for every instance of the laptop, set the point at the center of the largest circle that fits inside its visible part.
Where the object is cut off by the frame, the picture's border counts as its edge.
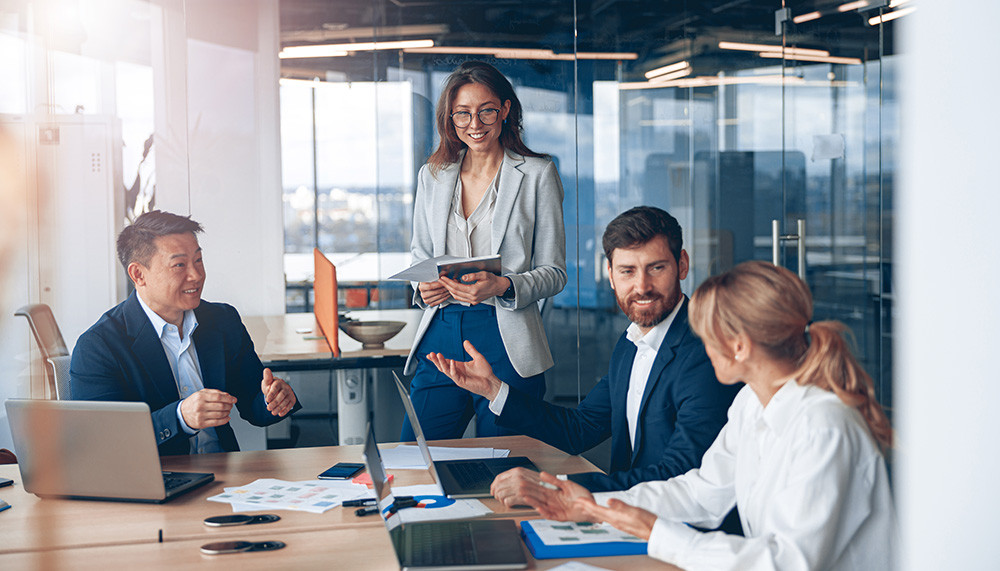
(453, 544)
(459, 478)
(92, 450)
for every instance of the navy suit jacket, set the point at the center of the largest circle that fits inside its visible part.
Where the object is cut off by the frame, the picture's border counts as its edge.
(682, 410)
(120, 358)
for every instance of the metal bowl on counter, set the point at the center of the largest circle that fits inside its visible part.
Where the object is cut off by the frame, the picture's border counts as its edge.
(372, 334)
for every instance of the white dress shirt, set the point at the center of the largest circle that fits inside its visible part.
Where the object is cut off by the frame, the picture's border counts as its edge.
(810, 483)
(184, 365)
(646, 347)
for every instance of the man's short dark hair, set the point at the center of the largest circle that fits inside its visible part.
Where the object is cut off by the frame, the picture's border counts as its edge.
(136, 243)
(638, 226)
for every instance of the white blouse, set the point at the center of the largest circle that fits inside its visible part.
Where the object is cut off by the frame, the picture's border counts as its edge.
(809, 480)
(472, 237)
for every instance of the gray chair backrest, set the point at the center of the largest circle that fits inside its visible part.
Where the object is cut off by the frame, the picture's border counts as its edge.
(43, 325)
(60, 369)
(50, 342)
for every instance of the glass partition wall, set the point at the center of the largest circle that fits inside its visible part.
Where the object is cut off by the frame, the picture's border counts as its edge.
(740, 118)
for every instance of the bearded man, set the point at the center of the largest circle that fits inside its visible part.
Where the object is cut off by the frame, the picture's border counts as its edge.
(660, 402)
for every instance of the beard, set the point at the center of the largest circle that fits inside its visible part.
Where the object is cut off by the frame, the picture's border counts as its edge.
(647, 315)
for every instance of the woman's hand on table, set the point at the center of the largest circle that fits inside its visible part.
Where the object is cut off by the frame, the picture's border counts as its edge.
(555, 499)
(629, 519)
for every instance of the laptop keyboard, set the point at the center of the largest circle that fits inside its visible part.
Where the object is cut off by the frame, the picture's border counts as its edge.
(471, 475)
(171, 481)
(442, 543)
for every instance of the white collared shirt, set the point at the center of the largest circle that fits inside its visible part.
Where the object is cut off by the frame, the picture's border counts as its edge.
(184, 365)
(646, 347)
(809, 480)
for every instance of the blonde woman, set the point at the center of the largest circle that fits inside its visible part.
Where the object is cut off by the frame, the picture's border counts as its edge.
(800, 455)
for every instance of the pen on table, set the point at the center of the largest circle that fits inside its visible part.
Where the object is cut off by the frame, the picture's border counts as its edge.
(359, 503)
(371, 501)
(367, 510)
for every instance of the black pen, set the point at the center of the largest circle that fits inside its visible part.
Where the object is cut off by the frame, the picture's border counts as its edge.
(366, 511)
(359, 503)
(371, 501)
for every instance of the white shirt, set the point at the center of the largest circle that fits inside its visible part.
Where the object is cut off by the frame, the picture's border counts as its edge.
(473, 236)
(184, 365)
(646, 347)
(810, 483)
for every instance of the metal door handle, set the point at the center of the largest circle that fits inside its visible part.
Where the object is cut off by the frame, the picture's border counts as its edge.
(800, 241)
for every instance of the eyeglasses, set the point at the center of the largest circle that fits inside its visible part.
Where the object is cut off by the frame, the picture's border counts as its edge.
(462, 119)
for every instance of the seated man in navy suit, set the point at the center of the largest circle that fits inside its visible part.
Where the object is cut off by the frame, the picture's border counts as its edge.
(660, 402)
(190, 360)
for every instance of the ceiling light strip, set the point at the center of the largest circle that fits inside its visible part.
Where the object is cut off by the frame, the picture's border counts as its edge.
(671, 76)
(523, 53)
(807, 17)
(771, 48)
(852, 6)
(890, 16)
(826, 59)
(335, 50)
(667, 69)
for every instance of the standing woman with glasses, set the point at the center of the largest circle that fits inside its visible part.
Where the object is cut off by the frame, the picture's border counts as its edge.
(801, 454)
(483, 192)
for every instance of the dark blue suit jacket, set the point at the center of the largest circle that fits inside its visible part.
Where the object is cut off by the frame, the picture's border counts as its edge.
(683, 408)
(120, 358)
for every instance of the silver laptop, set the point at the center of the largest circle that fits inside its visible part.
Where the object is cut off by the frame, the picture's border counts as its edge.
(92, 450)
(459, 478)
(454, 544)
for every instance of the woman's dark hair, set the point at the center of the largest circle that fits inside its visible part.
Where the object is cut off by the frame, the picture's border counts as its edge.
(136, 243)
(484, 74)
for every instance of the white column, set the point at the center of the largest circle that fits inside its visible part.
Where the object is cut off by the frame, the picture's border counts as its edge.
(947, 383)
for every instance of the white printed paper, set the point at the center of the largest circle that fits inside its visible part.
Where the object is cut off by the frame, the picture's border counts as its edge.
(408, 456)
(570, 533)
(432, 505)
(315, 496)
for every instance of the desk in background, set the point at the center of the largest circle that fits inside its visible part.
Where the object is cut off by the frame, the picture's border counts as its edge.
(281, 347)
(63, 534)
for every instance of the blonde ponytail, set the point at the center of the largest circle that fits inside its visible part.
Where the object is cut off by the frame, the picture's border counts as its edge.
(773, 307)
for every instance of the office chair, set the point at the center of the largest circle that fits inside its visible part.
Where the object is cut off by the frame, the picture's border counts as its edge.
(60, 370)
(50, 341)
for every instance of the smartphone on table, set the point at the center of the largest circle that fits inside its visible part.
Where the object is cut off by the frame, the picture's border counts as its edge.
(342, 471)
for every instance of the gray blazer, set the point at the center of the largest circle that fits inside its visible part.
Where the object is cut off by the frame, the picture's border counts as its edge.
(529, 235)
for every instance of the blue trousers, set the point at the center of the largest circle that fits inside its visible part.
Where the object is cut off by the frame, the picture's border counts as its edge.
(443, 407)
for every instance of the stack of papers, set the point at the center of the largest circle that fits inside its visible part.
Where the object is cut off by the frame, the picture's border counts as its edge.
(408, 456)
(315, 496)
(570, 533)
(548, 539)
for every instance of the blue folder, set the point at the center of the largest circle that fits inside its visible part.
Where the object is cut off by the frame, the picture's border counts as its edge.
(541, 551)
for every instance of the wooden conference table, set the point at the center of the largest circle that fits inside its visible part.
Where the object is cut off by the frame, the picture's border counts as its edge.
(73, 534)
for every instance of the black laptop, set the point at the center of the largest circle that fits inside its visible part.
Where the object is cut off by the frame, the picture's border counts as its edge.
(92, 450)
(459, 478)
(453, 544)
